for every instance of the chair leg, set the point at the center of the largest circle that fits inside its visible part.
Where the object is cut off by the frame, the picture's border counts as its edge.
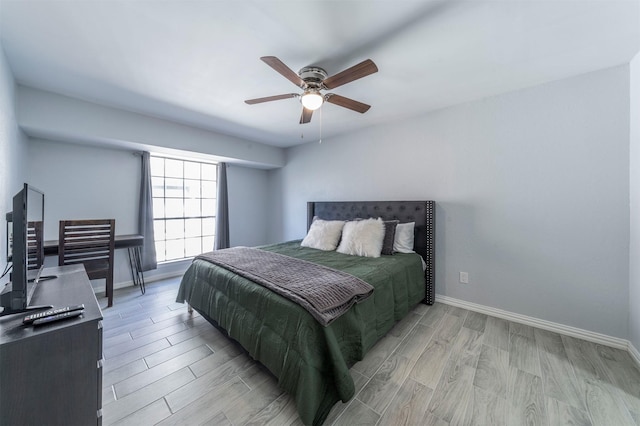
(109, 291)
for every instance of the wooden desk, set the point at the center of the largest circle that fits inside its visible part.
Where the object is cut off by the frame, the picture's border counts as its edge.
(122, 241)
(132, 242)
(52, 374)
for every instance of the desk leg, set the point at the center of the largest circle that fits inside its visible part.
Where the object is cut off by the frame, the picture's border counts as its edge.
(135, 261)
(143, 289)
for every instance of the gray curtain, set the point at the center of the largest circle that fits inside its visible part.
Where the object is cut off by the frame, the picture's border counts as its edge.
(222, 215)
(145, 217)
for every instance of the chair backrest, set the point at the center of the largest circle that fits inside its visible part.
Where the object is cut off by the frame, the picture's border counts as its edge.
(35, 246)
(90, 242)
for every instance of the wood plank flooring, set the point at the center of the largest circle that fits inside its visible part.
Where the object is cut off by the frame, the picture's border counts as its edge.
(441, 365)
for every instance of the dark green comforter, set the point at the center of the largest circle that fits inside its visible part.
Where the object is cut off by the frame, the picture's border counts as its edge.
(311, 362)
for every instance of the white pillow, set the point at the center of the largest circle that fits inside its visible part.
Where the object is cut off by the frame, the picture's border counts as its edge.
(362, 238)
(323, 234)
(403, 241)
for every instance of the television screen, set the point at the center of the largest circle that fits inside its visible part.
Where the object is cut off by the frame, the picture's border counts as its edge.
(27, 250)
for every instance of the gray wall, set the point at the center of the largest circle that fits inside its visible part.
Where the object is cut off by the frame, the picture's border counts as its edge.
(248, 200)
(102, 168)
(532, 191)
(86, 182)
(91, 182)
(66, 119)
(13, 153)
(83, 161)
(634, 251)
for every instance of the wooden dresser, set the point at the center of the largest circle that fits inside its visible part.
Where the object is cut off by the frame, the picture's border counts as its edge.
(52, 374)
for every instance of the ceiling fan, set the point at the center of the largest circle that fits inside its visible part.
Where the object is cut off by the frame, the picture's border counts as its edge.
(314, 79)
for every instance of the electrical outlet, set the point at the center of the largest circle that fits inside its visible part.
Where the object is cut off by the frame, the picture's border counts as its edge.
(464, 277)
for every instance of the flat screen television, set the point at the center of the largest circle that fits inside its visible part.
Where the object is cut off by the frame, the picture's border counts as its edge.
(26, 250)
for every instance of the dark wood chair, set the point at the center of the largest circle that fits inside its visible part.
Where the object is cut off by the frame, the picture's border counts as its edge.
(92, 243)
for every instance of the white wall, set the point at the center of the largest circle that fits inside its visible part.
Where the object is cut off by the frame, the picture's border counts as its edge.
(13, 153)
(89, 182)
(634, 251)
(532, 192)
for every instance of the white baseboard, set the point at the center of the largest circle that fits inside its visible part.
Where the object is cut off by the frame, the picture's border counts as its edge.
(579, 333)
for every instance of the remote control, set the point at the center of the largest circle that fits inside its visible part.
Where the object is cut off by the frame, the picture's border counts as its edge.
(57, 317)
(31, 318)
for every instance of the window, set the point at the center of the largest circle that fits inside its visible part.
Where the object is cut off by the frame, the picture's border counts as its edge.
(184, 207)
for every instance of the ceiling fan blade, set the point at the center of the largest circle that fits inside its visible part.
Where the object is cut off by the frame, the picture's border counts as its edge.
(363, 69)
(270, 98)
(284, 70)
(347, 103)
(306, 115)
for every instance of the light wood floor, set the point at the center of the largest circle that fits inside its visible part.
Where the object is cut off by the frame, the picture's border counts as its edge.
(440, 366)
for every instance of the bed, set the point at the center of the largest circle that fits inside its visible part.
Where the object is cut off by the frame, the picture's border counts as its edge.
(311, 361)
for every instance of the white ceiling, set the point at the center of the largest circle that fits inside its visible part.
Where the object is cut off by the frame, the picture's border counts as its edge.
(196, 61)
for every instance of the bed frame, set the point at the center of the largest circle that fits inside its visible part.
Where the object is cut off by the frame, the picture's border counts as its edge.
(423, 213)
(420, 212)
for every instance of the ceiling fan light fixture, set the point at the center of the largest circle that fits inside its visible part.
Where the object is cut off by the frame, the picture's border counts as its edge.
(312, 100)
(312, 80)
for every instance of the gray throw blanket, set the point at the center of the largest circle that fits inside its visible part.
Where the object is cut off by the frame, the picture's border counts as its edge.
(325, 292)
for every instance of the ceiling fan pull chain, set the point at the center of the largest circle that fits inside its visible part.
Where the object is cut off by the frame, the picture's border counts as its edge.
(320, 141)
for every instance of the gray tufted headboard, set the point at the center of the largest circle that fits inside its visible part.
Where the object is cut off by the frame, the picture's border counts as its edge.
(420, 212)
